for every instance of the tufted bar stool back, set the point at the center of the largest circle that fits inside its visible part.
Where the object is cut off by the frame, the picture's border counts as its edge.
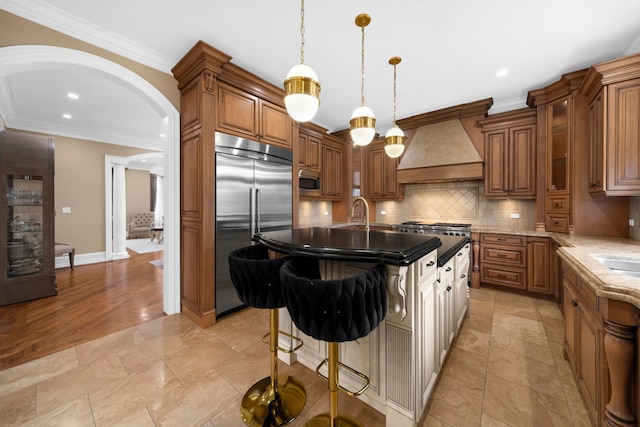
(277, 399)
(335, 310)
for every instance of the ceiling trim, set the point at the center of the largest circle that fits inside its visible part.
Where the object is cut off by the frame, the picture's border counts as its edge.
(51, 17)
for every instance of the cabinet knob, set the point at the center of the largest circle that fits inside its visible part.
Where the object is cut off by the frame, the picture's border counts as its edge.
(462, 276)
(448, 288)
(448, 269)
(430, 263)
(574, 303)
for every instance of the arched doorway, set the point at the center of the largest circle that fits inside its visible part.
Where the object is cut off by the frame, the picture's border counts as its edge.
(16, 59)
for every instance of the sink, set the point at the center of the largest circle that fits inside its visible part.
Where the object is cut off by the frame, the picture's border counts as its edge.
(629, 266)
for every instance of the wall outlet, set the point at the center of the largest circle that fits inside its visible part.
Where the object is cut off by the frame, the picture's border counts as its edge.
(383, 212)
(515, 215)
(326, 213)
(66, 210)
(632, 223)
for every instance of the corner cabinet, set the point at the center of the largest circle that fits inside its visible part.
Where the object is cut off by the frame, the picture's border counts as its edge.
(510, 155)
(380, 173)
(613, 89)
(26, 252)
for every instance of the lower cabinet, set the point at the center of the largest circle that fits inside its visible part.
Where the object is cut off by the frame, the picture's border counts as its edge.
(444, 310)
(584, 343)
(461, 290)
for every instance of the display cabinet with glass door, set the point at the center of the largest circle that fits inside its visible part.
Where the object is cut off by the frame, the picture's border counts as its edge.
(26, 254)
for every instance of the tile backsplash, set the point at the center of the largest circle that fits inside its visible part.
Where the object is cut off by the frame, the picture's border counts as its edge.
(451, 202)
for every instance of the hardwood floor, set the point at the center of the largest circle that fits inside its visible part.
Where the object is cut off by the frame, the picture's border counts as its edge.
(93, 301)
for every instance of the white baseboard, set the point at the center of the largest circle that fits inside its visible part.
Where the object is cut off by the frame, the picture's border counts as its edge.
(91, 258)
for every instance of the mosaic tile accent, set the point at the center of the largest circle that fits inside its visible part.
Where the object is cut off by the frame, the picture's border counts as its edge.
(447, 203)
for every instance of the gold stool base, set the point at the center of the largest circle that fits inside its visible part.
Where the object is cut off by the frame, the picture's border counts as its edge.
(324, 420)
(261, 403)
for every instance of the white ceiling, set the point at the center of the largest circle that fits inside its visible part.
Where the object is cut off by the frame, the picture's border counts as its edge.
(451, 52)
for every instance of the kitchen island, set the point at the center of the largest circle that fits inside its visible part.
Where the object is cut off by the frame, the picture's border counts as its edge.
(427, 297)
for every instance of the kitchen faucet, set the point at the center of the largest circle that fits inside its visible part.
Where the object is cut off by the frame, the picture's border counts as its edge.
(366, 209)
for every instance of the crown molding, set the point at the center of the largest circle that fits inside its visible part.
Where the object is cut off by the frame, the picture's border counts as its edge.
(51, 17)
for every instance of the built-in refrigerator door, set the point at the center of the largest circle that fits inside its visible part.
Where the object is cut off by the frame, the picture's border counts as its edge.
(234, 200)
(273, 194)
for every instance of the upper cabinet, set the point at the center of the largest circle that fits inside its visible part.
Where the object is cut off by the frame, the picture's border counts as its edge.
(563, 201)
(332, 182)
(243, 114)
(510, 155)
(380, 173)
(613, 90)
(309, 142)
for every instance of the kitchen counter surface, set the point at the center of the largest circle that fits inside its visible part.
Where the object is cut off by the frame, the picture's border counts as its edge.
(387, 247)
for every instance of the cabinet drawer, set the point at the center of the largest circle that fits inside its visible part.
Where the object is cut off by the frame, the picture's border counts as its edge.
(504, 255)
(558, 222)
(558, 203)
(426, 266)
(503, 239)
(512, 277)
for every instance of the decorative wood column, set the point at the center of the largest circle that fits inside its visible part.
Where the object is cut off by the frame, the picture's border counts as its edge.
(621, 321)
(475, 256)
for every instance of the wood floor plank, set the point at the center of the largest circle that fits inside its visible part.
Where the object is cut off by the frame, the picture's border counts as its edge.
(93, 301)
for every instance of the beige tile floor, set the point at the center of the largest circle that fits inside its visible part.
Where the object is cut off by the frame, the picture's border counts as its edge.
(505, 368)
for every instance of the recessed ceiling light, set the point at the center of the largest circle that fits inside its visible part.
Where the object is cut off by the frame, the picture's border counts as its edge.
(66, 116)
(72, 95)
(144, 160)
(162, 135)
(502, 73)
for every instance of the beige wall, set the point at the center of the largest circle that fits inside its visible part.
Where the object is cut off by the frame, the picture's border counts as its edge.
(80, 184)
(138, 192)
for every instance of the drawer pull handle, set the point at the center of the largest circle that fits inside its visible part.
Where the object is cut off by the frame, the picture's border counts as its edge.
(574, 303)
(448, 288)
(463, 276)
(501, 255)
(430, 263)
(501, 239)
(556, 205)
(459, 253)
(502, 276)
(448, 269)
(556, 222)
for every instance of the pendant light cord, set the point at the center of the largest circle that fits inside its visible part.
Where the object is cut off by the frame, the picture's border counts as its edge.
(394, 94)
(302, 32)
(362, 71)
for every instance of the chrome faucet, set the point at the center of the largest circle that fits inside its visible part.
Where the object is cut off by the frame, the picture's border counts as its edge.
(366, 209)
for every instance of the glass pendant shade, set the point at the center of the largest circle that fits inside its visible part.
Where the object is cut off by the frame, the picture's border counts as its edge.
(302, 93)
(363, 125)
(394, 146)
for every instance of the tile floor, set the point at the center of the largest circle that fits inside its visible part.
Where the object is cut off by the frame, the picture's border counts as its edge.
(505, 368)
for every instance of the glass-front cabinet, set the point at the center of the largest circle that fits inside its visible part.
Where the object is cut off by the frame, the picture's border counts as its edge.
(27, 269)
(25, 228)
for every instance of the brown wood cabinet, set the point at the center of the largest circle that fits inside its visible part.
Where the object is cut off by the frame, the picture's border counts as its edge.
(310, 139)
(243, 114)
(510, 155)
(613, 89)
(564, 203)
(333, 169)
(27, 264)
(380, 173)
(539, 266)
(503, 260)
(583, 344)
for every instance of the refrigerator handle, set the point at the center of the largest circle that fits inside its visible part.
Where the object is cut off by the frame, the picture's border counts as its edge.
(252, 214)
(257, 211)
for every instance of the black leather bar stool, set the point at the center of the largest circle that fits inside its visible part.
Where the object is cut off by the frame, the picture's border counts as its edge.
(334, 311)
(277, 399)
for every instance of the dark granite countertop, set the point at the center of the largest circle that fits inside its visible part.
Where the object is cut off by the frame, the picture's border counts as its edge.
(388, 247)
(450, 246)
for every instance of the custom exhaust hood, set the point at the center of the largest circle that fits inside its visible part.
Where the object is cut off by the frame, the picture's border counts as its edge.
(444, 145)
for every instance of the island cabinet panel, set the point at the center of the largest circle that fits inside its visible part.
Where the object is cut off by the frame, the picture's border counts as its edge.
(461, 291)
(444, 311)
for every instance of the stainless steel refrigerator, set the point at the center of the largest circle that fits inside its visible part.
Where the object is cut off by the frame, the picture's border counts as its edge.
(253, 194)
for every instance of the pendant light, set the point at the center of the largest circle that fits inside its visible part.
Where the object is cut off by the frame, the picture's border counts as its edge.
(363, 122)
(394, 138)
(302, 89)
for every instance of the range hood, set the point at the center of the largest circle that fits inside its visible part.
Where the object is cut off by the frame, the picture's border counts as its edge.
(444, 145)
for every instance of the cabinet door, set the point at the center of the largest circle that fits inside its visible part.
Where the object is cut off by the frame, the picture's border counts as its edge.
(390, 174)
(522, 154)
(623, 131)
(309, 152)
(237, 111)
(539, 266)
(496, 165)
(426, 334)
(375, 173)
(332, 171)
(276, 126)
(596, 143)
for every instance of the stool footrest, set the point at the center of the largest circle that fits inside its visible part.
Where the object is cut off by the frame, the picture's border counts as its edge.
(350, 369)
(267, 340)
